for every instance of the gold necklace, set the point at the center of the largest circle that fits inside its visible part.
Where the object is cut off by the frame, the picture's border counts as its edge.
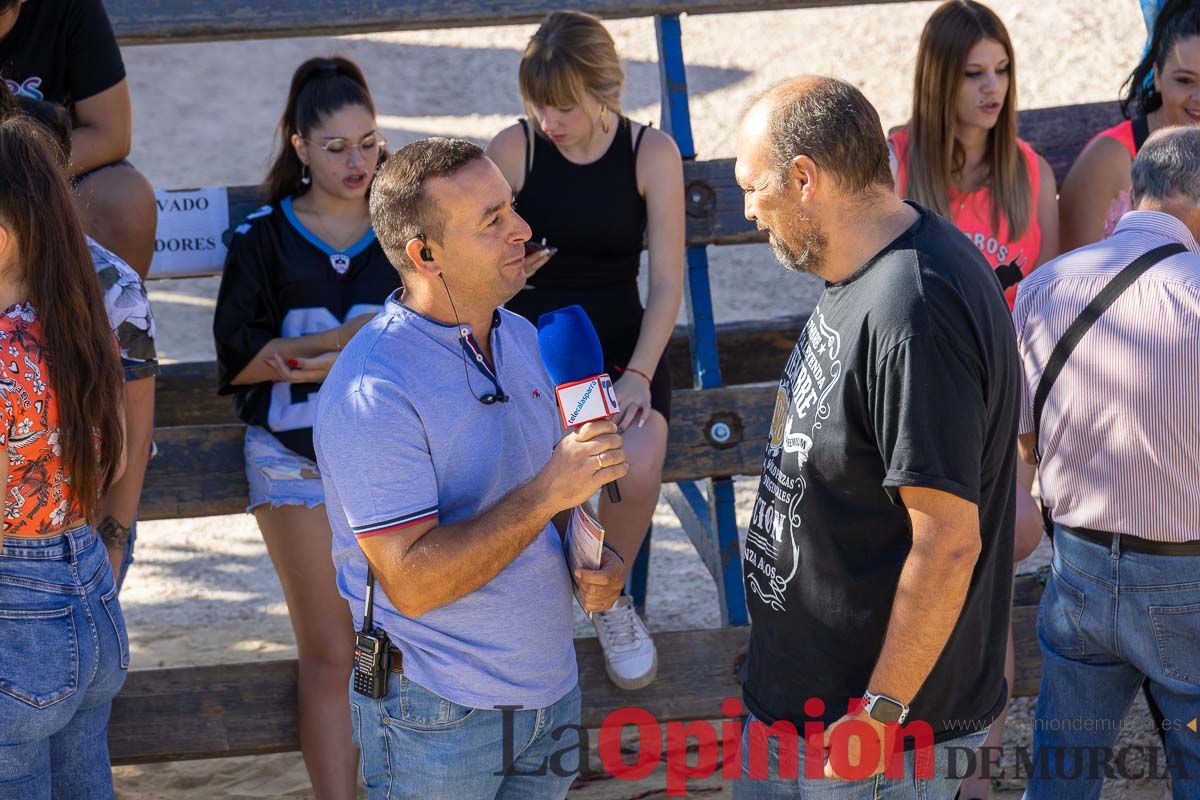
(319, 218)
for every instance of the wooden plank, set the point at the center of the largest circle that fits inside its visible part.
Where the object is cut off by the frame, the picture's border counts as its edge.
(1027, 594)
(713, 205)
(696, 671)
(199, 469)
(199, 472)
(185, 393)
(250, 709)
(750, 351)
(1028, 673)
(205, 712)
(166, 21)
(1060, 133)
(1028, 587)
(713, 201)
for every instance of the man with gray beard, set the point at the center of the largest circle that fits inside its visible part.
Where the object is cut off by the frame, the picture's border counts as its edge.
(879, 555)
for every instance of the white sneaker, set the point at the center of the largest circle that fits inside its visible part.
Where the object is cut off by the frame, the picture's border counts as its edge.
(629, 655)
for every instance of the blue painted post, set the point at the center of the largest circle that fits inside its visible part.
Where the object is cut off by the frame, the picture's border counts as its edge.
(706, 371)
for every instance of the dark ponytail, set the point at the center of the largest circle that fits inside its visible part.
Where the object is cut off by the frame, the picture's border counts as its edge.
(320, 87)
(56, 267)
(1178, 19)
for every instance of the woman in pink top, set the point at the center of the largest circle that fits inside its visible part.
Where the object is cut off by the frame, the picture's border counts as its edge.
(1164, 90)
(960, 156)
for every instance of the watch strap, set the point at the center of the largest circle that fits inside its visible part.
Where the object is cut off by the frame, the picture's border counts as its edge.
(873, 700)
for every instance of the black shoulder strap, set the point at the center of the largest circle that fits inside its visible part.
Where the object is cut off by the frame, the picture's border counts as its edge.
(528, 147)
(1084, 322)
(637, 143)
(1141, 131)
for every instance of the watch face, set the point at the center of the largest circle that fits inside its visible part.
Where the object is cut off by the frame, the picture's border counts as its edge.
(886, 710)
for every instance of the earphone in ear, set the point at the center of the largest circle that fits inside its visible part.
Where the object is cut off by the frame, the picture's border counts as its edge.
(426, 254)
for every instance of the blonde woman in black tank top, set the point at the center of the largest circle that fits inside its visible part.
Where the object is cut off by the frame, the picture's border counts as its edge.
(596, 185)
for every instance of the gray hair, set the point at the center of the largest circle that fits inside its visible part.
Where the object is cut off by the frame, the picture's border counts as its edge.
(1168, 166)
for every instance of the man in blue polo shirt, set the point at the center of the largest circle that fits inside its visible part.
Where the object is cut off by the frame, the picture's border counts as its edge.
(445, 467)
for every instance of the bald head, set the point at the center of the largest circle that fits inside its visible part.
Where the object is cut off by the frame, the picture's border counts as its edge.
(827, 120)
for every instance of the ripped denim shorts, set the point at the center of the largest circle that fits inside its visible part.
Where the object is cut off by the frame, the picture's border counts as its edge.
(277, 475)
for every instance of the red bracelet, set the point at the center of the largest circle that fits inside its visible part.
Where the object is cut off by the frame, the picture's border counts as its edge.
(639, 372)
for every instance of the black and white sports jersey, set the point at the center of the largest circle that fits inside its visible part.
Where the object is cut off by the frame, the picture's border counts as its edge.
(282, 280)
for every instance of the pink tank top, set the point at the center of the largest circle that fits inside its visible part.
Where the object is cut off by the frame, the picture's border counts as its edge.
(1123, 133)
(971, 213)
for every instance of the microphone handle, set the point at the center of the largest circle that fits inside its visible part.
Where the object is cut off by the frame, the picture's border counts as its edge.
(614, 494)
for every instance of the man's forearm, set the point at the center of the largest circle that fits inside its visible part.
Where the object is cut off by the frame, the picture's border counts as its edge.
(929, 598)
(451, 561)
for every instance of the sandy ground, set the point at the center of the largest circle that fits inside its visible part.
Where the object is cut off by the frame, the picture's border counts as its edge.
(203, 591)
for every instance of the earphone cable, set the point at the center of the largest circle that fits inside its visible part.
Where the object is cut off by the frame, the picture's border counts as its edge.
(461, 339)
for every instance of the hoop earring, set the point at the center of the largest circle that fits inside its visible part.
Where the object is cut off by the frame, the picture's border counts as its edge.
(304, 176)
(604, 119)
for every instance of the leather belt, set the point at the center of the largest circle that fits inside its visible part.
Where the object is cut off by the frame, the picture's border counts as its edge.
(1135, 544)
(397, 659)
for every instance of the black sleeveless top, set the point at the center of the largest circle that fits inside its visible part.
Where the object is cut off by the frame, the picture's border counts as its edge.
(592, 213)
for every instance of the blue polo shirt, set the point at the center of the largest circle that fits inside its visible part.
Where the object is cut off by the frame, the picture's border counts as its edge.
(400, 440)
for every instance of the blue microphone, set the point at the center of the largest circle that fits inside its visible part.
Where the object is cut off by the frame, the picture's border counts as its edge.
(572, 354)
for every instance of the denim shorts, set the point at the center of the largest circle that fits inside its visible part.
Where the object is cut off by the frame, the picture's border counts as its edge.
(277, 475)
(64, 654)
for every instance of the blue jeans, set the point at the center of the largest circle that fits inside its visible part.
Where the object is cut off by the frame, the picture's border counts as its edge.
(277, 476)
(416, 744)
(941, 786)
(1107, 619)
(63, 657)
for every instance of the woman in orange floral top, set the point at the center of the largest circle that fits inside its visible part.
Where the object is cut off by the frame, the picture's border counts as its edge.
(63, 648)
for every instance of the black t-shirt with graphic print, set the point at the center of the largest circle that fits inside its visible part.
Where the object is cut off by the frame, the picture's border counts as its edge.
(906, 374)
(61, 51)
(281, 280)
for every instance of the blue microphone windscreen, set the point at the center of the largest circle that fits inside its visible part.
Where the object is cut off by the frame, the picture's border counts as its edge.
(569, 344)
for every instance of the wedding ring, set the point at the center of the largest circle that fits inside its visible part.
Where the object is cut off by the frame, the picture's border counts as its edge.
(600, 460)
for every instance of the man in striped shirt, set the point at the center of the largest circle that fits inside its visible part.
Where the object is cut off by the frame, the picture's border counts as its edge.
(1118, 443)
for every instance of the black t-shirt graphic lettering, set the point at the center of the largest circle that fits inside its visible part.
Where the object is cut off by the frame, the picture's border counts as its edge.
(61, 51)
(280, 279)
(906, 374)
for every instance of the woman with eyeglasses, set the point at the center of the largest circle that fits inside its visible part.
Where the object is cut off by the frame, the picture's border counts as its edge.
(304, 273)
(596, 187)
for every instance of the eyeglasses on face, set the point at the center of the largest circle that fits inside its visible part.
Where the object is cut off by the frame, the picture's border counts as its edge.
(368, 145)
